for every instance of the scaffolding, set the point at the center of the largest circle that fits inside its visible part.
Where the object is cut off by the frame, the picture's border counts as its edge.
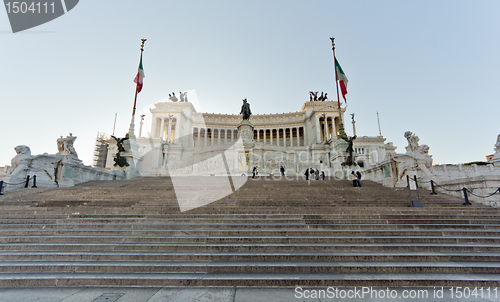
(101, 150)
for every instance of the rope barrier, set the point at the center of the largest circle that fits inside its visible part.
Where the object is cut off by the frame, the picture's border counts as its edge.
(25, 182)
(8, 183)
(483, 196)
(436, 184)
(464, 191)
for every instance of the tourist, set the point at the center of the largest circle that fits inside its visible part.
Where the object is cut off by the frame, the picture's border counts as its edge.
(354, 179)
(307, 174)
(254, 171)
(311, 172)
(358, 175)
(282, 170)
(323, 175)
(316, 173)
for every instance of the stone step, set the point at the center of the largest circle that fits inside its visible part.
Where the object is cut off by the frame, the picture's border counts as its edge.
(249, 247)
(421, 256)
(256, 239)
(249, 267)
(268, 233)
(287, 233)
(102, 229)
(247, 279)
(241, 231)
(341, 214)
(262, 221)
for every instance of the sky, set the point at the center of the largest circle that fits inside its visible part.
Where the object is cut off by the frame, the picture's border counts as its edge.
(430, 67)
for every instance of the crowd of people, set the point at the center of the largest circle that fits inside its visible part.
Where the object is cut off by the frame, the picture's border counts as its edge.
(315, 174)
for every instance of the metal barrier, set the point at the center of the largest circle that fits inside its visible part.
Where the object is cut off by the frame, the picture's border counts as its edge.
(415, 203)
(464, 190)
(25, 182)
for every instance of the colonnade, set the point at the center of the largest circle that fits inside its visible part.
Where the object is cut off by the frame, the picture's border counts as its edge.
(328, 127)
(166, 128)
(286, 136)
(203, 137)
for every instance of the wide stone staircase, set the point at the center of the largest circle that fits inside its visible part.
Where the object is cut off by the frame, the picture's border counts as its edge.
(268, 233)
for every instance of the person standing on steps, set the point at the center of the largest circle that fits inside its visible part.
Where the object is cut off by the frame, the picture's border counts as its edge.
(354, 179)
(282, 170)
(307, 174)
(358, 175)
(316, 173)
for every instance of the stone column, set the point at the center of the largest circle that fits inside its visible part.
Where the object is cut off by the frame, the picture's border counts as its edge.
(153, 128)
(169, 132)
(318, 129)
(211, 136)
(325, 125)
(218, 136)
(177, 129)
(284, 137)
(205, 137)
(271, 130)
(198, 139)
(162, 126)
(250, 160)
(291, 137)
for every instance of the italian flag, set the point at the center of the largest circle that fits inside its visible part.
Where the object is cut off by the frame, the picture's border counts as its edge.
(341, 78)
(139, 78)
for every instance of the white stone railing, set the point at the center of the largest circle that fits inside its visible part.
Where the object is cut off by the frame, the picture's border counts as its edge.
(67, 173)
(479, 186)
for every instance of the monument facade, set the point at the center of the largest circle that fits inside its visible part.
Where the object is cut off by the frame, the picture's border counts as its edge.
(189, 142)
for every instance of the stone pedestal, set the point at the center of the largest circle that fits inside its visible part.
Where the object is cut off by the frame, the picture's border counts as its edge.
(245, 132)
(340, 147)
(133, 158)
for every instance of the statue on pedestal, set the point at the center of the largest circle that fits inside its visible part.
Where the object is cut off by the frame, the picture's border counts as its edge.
(245, 110)
(172, 97)
(350, 159)
(22, 161)
(313, 96)
(119, 142)
(183, 96)
(120, 161)
(60, 144)
(416, 158)
(323, 97)
(65, 145)
(412, 142)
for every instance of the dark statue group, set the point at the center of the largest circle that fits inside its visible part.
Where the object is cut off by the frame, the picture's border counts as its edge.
(313, 96)
(119, 160)
(350, 159)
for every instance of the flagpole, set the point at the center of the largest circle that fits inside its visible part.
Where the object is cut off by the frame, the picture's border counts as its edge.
(342, 133)
(131, 129)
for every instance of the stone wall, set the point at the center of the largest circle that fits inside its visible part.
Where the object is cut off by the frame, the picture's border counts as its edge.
(449, 179)
(62, 169)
